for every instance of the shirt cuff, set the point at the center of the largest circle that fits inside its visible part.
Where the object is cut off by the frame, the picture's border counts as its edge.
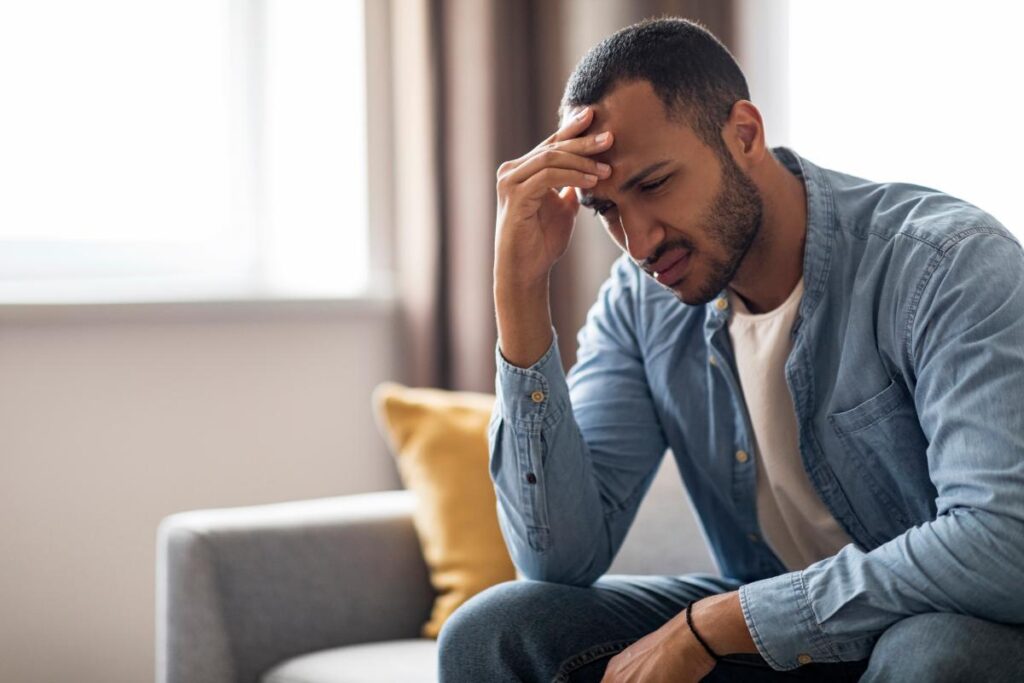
(782, 624)
(534, 396)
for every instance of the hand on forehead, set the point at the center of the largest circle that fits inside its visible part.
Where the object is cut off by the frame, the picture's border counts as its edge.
(599, 121)
(633, 113)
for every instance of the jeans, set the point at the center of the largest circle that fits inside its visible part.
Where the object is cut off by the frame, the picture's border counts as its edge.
(542, 632)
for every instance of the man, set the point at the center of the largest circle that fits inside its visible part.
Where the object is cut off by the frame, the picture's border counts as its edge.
(836, 364)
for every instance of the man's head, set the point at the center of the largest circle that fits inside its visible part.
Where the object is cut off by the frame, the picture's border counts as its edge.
(668, 90)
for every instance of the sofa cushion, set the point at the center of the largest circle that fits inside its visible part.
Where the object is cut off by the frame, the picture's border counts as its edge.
(409, 661)
(439, 439)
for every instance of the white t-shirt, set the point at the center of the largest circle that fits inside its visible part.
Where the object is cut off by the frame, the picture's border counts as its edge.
(795, 522)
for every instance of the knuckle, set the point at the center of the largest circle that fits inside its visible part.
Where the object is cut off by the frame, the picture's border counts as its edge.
(548, 155)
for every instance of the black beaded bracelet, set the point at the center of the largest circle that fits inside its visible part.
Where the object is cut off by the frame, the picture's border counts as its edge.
(689, 622)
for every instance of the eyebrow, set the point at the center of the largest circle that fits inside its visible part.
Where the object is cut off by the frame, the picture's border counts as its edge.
(589, 200)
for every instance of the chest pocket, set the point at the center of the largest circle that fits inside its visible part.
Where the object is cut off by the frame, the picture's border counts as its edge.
(882, 437)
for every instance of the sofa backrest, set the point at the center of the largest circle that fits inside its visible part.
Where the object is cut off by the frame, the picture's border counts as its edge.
(665, 537)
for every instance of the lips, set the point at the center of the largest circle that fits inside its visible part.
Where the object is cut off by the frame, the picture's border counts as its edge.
(667, 260)
(671, 267)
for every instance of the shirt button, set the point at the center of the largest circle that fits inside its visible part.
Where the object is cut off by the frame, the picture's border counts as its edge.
(531, 478)
(721, 304)
(537, 396)
(804, 658)
(754, 537)
(711, 359)
(742, 456)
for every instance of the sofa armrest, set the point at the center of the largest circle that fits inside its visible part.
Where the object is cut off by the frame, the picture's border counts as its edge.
(241, 589)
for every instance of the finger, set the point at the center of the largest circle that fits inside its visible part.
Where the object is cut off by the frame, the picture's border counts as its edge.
(553, 178)
(573, 127)
(587, 144)
(555, 158)
(570, 200)
(584, 145)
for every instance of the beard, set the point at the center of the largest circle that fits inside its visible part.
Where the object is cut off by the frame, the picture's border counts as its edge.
(733, 222)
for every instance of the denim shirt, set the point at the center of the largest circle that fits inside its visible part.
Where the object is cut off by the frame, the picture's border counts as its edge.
(907, 378)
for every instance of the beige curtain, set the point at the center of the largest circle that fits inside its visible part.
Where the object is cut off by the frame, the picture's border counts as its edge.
(476, 82)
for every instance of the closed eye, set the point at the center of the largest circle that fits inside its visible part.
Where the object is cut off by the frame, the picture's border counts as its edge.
(602, 209)
(653, 186)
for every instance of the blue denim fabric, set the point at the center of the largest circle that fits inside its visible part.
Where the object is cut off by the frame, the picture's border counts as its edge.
(907, 376)
(546, 632)
(555, 633)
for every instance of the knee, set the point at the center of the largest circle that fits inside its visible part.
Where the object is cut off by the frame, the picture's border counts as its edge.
(923, 647)
(503, 606)
(476, 638)
(482, 613)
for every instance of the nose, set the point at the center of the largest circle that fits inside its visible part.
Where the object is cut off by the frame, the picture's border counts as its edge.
(641, 233)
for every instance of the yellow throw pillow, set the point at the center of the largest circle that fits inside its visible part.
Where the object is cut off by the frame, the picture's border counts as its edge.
(439, 439)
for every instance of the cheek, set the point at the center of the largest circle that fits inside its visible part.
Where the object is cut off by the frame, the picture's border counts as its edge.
(683, 205)
(676, 210)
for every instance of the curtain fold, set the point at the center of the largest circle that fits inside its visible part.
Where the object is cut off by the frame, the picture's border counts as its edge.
(477, 82)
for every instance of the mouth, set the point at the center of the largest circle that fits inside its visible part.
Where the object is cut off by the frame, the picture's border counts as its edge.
(673, 273)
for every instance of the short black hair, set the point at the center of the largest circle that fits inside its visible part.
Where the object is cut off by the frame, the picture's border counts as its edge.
(691, 71)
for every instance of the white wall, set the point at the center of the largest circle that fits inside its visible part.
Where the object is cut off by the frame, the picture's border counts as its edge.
(762, 34)
(113, 417)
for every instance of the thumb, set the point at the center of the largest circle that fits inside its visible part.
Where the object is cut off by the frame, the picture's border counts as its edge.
(570, 202)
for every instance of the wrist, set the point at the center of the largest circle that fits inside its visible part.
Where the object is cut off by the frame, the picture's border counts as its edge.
(523, 316)
(719, 620)
(694, 653)
(510, 281)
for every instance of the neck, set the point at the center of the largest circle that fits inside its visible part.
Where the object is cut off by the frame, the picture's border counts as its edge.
(774, 263)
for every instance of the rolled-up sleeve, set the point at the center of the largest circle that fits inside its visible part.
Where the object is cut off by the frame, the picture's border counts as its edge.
(572, 455)
(964, 358)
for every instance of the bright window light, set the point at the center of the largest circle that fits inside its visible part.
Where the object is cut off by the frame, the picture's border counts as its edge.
(315, 152)
(177, 149)
(917, 91)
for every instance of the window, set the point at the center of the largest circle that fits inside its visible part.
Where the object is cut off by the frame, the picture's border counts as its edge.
(915, 91)
(178, 149)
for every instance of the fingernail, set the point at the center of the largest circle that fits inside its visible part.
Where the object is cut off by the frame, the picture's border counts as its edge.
(590, 178)
(603, 137)
(603, 168)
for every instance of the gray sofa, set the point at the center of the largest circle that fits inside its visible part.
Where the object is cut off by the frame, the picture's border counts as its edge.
(335, 590)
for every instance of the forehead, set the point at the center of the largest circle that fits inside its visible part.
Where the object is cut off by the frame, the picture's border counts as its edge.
(638, 120)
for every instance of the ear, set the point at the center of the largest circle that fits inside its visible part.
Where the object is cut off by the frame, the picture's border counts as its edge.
(743, 134)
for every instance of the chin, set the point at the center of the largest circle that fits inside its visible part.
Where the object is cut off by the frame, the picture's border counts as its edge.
(683, 293)
(690, 295)
(688, 300)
